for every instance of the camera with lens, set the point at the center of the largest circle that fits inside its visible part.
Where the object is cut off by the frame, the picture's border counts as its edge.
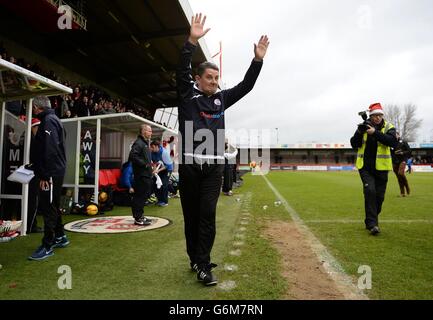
(362, 127)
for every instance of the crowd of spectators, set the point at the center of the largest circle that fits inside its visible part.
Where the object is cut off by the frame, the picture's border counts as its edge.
(85, 100)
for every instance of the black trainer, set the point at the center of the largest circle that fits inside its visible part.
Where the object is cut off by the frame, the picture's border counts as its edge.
(375, 230)
(205, 274)
(194, 266)
(143, 222)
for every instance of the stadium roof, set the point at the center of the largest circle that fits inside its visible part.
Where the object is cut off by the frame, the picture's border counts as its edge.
(130, 47)
(124, 122)
(19, 83)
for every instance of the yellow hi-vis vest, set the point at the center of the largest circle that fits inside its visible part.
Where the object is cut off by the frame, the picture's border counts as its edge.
(383, 155)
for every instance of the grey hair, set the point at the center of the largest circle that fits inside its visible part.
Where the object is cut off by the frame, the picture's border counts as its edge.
(143, 126)
(206, 65)
(42, 102)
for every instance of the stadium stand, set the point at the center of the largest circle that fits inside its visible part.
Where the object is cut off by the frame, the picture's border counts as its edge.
(123, 53)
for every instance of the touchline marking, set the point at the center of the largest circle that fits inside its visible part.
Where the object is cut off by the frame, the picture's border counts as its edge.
(343, 281)
(238, 244)
(362, 222)
(227, 285)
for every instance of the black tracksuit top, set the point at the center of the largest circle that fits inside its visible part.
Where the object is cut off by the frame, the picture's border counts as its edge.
(49, 147)
(206, 112)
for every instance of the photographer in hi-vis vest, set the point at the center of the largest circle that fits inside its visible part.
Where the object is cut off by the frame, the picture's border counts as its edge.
(373, 141)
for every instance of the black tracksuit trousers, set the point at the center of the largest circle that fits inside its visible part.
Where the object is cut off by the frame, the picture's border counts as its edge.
(32, 207)
(374, 183)
(142, 188)
(228, 178)
(200, 187)
(49, 205)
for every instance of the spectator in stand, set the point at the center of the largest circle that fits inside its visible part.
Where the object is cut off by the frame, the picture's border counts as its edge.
(76, 94)
(72, 108)
(15, 107)
(67, 115)
(101, 109)
(83, 109)
(64, 105)
(94, 109)
(109, 107)
(71, 102)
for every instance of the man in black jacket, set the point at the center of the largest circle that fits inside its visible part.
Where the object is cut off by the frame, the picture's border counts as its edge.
(201, 126)
(140, 158)
(49, 167)
(400, 154)
(373, 142)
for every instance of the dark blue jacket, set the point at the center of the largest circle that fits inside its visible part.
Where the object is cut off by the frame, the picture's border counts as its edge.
(207, 112)
(127, 176)
(49, 142)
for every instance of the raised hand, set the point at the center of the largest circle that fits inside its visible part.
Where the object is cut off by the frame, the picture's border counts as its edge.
(197, 28)
(260, 48)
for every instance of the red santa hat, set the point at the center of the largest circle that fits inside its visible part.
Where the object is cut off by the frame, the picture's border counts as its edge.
(375, 108)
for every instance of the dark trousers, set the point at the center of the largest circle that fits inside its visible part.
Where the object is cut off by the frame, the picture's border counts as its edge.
(142, 188)
(199, 187)
(399, 169)
(374, 182)
(162, 193)
(49, 205)
(32, 206)
(228, 178)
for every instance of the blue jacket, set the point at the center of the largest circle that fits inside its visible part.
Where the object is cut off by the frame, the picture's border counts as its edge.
(163, 155)
(127, 177)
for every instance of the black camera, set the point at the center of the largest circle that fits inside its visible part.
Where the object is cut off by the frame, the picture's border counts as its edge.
(362, 127)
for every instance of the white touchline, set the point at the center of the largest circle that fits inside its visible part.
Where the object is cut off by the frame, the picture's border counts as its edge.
(343, 281)
(361, 222)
